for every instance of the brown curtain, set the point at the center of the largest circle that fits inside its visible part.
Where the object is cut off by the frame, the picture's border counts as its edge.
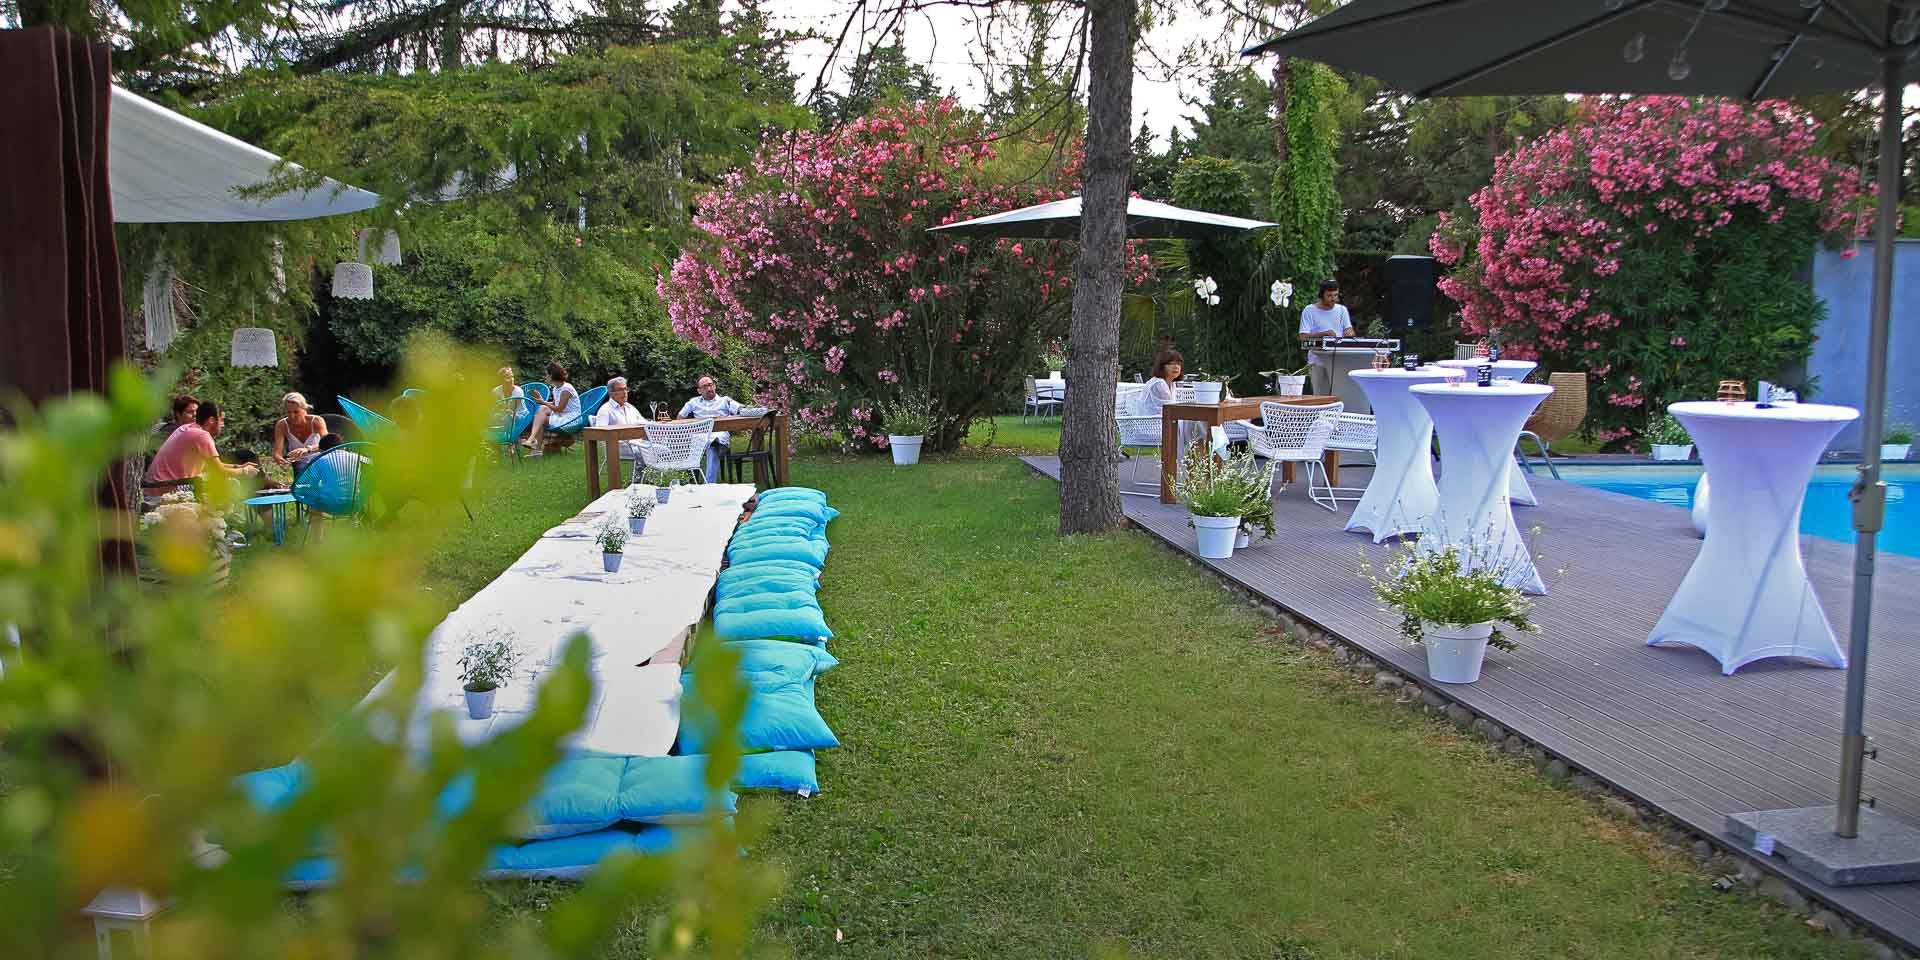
(60, 316)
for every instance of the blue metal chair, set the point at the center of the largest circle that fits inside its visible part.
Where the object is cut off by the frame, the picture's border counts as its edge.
(413, 392)
(538, 390)
(511, 418)
(332, 484)
(590, 403)
(369, 423)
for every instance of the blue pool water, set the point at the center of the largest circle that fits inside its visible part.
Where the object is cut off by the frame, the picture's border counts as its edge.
(1824, 513)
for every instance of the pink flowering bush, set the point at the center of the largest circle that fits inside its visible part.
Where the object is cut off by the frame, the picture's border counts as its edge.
(817, 260)
(1654, 243)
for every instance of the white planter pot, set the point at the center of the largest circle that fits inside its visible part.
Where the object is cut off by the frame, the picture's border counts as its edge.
(1216, 536)
(1292, 386)
(611, 561)
(1207, 391)
(906, 450)
(1241, 541)
(636, 525)
(480, 703)
(662, 494)
(1670, 452)
(1455, 653)
(1053, 374)
(1895, 451)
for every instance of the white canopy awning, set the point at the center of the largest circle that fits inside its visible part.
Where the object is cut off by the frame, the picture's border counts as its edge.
(1146, 219)
(167, 168)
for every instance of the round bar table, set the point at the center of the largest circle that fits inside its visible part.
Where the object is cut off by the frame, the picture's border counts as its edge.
(1478, 427)
(1401, 495)
(1746, 597)
(1518, 489)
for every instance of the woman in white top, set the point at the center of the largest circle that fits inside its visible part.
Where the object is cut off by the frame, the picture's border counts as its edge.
(298, 433)
(1168, 367)
(617, 412)
(563, 406)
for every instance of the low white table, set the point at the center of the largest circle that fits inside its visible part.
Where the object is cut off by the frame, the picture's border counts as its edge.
(1518, 489)
(1401, 495)
(1478, 427)
(1746, 597)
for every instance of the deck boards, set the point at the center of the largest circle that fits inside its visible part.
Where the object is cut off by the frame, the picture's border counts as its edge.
(1661, 724)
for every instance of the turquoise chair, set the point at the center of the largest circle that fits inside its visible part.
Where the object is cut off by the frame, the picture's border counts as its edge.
(369, 423)
(538, 390)
(333, 483)
(590, 403)
(511, 418)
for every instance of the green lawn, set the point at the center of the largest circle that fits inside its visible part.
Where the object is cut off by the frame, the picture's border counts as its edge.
(1058, 746)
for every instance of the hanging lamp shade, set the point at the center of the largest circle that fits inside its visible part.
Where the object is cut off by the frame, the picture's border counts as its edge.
(387, 254)
(255, 347)
(352, 281)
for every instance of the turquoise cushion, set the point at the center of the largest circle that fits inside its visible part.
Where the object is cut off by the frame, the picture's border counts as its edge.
(274, 787)
(749, 602)
(778, 494)
(793, 661)
(780, 718)
(745, 571)
(819, 513)
(787, 521)
(669, 790)
(801, 623)
(788, 771)
(572, 858)
(806, 551)
(779, 528)
(580, 794)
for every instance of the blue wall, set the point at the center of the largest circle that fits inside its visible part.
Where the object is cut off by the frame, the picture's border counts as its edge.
(1840, 354)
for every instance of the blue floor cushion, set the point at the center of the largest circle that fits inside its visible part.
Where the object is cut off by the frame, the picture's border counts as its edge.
(669, 790)
(782, 717)
(778, 494)
(747, 603)
(801, 623)
(788, 771)
(806, 551)
(790, 661)
(580, 795)
(818, 512)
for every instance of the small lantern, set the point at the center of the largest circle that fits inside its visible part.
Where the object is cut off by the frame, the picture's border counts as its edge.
(123, 915)
(1379, 359)
(387, 254)
(255, 347)
(1481, 350)
(1733, 391)
(352, 281)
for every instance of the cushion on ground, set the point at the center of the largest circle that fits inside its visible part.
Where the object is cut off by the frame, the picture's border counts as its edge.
(571, 858)
(796, 661)
(779, 718)
(274, 787)
(580, 795)
(790, 524)
(746, 603)
(781, 548)
(818, 512)
(788, 771)
(750, 535)
(744, 571)
(800, 623)
(779, 494)
(669, 790)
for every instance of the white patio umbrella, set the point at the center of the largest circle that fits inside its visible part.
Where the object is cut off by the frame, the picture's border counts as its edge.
(1146, 220)
(1749, 49)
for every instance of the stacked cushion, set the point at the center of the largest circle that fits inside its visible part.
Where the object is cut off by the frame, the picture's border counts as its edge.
(774, 563)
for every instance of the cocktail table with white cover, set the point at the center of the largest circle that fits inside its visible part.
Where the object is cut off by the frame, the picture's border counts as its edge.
(1518, 489)
(1401, 495)
(1746, 597)
(1478, 427)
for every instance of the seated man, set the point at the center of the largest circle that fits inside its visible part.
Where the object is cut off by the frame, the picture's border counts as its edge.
(711, 404)
(184, 407)
(617, 412)
(190, 452)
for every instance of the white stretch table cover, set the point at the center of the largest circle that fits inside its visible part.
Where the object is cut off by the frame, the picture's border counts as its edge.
(1478, 427)
(1518, 489)
(559, 588)
(1746, 597)
(1401, 495)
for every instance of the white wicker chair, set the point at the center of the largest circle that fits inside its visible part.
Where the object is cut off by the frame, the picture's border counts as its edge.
(1135, 430)
(1299, 434)
(678, 447)
(1354, 433)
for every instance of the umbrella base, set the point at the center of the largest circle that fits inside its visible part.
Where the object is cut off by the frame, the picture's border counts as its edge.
(1886, 851)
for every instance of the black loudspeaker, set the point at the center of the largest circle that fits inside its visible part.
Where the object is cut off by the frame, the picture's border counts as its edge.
(1410, 289)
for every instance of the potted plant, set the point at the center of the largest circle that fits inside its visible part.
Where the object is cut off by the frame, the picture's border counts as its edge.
(1290, 384)
(907, 421)
(1897, 442)
(485, 667)
(1056, 358)
(1218, 493)
(1456, 613)
(612, 539)
(1259, 514)
(1669, 439)
(184, 540)
(661, 483)
(640, 503)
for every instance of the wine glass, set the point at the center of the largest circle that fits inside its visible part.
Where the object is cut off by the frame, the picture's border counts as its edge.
(653, 409)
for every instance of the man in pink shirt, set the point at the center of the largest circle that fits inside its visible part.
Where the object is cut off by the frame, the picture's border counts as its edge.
(189, 450)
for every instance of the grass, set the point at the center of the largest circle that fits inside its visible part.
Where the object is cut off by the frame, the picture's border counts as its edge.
(1055, 747)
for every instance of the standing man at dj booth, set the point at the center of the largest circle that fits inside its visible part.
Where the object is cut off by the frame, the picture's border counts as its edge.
(1325, 317)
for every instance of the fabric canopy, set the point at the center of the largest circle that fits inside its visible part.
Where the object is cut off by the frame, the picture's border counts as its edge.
(166, 168)
(1146, 220)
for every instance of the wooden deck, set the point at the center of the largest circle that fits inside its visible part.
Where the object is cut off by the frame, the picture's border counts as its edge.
(1660, 724)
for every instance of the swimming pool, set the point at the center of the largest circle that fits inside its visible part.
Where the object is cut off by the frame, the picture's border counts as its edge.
(1824, 513)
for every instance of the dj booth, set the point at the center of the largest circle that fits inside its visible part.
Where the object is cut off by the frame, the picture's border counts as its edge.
(1335, 357)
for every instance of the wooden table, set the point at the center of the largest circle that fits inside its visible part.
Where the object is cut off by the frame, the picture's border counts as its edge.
(611, 436)
(1218, 415)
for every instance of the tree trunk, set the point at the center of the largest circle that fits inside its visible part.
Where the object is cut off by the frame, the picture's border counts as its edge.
(1089, 445)
(1279, 120)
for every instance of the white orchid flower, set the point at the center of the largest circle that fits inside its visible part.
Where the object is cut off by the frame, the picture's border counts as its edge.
(1282, 293)
(1213, 301)
(1211, 287)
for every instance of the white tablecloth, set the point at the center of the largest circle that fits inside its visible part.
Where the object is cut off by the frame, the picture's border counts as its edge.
(1518, 489)
(1401, 495)
(1478, 427)
(559, 588)
(1746, 597)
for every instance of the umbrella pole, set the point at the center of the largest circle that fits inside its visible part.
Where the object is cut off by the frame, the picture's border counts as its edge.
(1869, 494)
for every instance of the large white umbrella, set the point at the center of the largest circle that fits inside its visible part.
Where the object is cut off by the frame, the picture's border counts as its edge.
(163, 167)
(1739, 48)
(1146, 220)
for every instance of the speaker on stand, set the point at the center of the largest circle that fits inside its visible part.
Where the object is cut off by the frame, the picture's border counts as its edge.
(1411, 284)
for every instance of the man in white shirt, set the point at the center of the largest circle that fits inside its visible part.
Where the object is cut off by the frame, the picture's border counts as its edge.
(617, 412)
(711, 404)
(1326, 317)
